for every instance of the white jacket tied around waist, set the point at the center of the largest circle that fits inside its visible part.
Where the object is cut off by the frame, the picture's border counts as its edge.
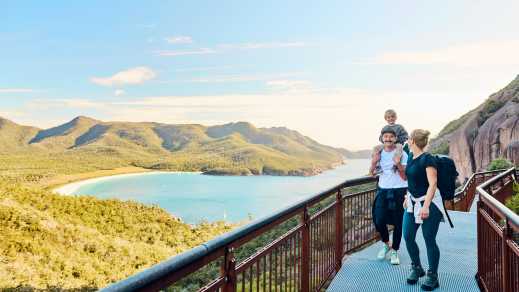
(414, 205)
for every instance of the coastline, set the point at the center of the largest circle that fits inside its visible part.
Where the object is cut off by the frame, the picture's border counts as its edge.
(72, 185)
(70, 188)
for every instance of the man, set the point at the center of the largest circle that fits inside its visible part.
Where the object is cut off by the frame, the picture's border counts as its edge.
(392, 187)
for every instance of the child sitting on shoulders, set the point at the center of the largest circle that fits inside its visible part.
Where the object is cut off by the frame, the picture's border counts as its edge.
(401, 138)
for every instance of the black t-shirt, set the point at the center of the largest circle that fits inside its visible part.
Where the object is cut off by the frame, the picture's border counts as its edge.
(416, 175)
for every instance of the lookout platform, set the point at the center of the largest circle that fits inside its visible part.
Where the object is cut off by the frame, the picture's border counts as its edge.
(458, 262)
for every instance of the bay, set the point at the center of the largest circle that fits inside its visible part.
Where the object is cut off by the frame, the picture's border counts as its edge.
(195, 197)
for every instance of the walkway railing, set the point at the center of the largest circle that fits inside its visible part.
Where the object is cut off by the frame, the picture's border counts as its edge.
(498, 235)
(463, 199)
(299, 248)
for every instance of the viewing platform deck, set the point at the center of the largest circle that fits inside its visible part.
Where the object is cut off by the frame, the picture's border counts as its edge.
(361, 271)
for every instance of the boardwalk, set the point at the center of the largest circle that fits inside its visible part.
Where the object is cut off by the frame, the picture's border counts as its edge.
(458, 263)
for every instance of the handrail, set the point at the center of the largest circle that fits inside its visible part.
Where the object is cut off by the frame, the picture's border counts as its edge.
(498, 230)
(464, 197)
(473, 176)
(505, 211)
(179, 266)
(218, 246)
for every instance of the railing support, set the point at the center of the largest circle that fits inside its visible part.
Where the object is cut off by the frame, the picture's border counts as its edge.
(305, 252)
(479, 243)
(339, 231)
(228, 270)
(505, 260)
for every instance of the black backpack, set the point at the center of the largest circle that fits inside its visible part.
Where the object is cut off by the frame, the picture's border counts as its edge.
(447, 176)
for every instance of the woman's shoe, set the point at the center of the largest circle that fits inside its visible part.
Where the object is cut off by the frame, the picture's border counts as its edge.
(431, 282)
(416, 273)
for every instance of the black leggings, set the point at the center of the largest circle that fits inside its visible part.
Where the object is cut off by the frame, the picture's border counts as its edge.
(388, 209)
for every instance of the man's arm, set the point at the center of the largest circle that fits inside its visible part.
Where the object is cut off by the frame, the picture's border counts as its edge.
(400, 163)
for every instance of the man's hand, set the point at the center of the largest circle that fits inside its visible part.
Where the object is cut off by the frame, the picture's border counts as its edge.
(397, 159)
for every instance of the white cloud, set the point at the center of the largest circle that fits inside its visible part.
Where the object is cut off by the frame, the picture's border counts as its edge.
(467, 54)
(234, 78)
(270, 45)
(16, 90)
(293, 85)
(58, 103)
(223, 47)
(179, 40)
(137, 75)
(170, 53)
(196, 69)
(119, 92)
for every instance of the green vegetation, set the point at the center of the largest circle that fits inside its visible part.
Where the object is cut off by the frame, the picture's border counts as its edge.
(442, 148)
(71, 242)
(489, 108)
(48, 241)
(83, 145)
(500, 163)
(513, 202)
(454, 125)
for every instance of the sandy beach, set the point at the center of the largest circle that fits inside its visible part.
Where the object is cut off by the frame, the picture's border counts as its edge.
(71, 188)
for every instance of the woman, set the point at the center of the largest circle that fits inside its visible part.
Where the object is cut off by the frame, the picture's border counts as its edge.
(423, 208)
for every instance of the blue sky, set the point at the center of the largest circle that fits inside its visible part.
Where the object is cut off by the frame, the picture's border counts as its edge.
(328, 69)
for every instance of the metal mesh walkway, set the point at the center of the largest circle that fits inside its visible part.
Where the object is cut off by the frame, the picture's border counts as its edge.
(458, 262)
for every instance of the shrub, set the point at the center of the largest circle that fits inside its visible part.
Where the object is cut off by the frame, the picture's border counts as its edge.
(499, 163)
(443, 148)
(490, 107)
(513, 202)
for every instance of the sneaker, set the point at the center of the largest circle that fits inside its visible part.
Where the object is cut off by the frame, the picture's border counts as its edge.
(416, 273)
(431, 282)
(394, 258)
(383, 252)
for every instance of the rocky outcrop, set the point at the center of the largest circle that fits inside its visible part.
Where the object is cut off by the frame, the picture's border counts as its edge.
(488, 132)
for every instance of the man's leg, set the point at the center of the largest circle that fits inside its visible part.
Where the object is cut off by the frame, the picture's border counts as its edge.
(380, 212)
(398, 219)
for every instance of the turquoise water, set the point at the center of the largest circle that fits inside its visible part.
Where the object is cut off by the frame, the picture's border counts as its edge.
(195, 197)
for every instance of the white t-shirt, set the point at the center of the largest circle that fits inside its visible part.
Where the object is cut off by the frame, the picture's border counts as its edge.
(389, 179)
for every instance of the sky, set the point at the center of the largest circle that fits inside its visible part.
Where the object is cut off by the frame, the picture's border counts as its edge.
(328, 69)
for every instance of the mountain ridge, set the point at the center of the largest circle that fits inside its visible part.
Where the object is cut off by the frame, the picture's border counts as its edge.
(237, 148)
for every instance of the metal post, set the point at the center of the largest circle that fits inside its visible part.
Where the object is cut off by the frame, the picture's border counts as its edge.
(339, 231)
(479, 242)
(305, 252)
(505, 260)
(228, 270)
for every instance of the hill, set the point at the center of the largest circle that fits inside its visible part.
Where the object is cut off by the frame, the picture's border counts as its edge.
(488, 132)
(85, 144)
(66, 242)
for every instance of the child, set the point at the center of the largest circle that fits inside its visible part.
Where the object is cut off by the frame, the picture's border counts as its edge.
(401, 138)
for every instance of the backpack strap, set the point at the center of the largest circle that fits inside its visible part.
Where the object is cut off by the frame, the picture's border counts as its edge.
(447, 213)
